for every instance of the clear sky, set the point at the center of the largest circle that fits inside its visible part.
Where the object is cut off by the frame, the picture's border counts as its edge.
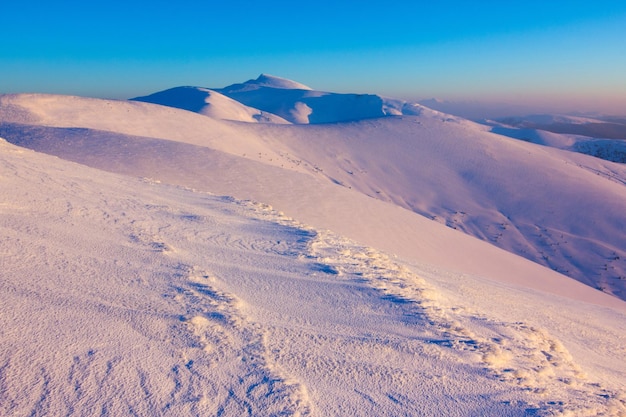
(570, 53)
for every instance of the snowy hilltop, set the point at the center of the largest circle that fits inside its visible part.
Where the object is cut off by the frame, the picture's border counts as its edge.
(560, 209)
(288, 100)
(269, 249)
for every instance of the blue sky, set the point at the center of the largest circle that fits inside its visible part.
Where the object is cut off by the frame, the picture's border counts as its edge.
(540, 52)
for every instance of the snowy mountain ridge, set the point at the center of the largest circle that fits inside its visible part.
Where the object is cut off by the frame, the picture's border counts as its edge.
(485, 185)
(267, 81)
(341, 268)
(210, 103)
(600, 137)
(276, 99)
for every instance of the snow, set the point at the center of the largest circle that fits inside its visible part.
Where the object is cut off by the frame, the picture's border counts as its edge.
(556, 208)
(272, 99)
(283, 99)
(210, 103)
(588, 136)
(308, 106)
(549, 119)
(502, 191)
(269, 81)
(169, 263)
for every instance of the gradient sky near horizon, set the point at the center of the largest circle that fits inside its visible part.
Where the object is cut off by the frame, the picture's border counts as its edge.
(561, 53)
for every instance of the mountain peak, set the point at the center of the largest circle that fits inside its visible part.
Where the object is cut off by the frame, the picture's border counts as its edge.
(267, 80)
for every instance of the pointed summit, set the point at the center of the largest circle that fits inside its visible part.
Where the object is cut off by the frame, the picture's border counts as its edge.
(266, 80)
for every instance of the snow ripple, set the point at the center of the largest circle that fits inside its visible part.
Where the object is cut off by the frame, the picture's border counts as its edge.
(223, 341)
(514, 353)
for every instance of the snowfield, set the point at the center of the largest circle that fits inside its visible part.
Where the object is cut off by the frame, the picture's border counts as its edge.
(156, 261)
(560, 209)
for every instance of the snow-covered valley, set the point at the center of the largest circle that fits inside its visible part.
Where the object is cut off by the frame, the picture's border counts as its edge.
(162, 262)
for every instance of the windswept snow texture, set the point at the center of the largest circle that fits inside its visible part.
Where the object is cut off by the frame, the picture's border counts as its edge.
(227, 269)
(127, 296)
(556, 208)
(559, 209)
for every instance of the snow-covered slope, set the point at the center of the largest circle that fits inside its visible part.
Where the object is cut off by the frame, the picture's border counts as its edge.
(599, 126)
(302, 105)
(123, 295)
(169, 286)
(275, 100)
(271, 99)
(210, 103)
(613, 150)
(128, 117)
(268, 81)
(559, 209)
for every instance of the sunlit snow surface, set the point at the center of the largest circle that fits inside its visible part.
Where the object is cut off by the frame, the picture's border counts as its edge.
(560, 209)
(124, 295)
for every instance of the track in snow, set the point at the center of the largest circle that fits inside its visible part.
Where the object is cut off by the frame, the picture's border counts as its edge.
(162, 301)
